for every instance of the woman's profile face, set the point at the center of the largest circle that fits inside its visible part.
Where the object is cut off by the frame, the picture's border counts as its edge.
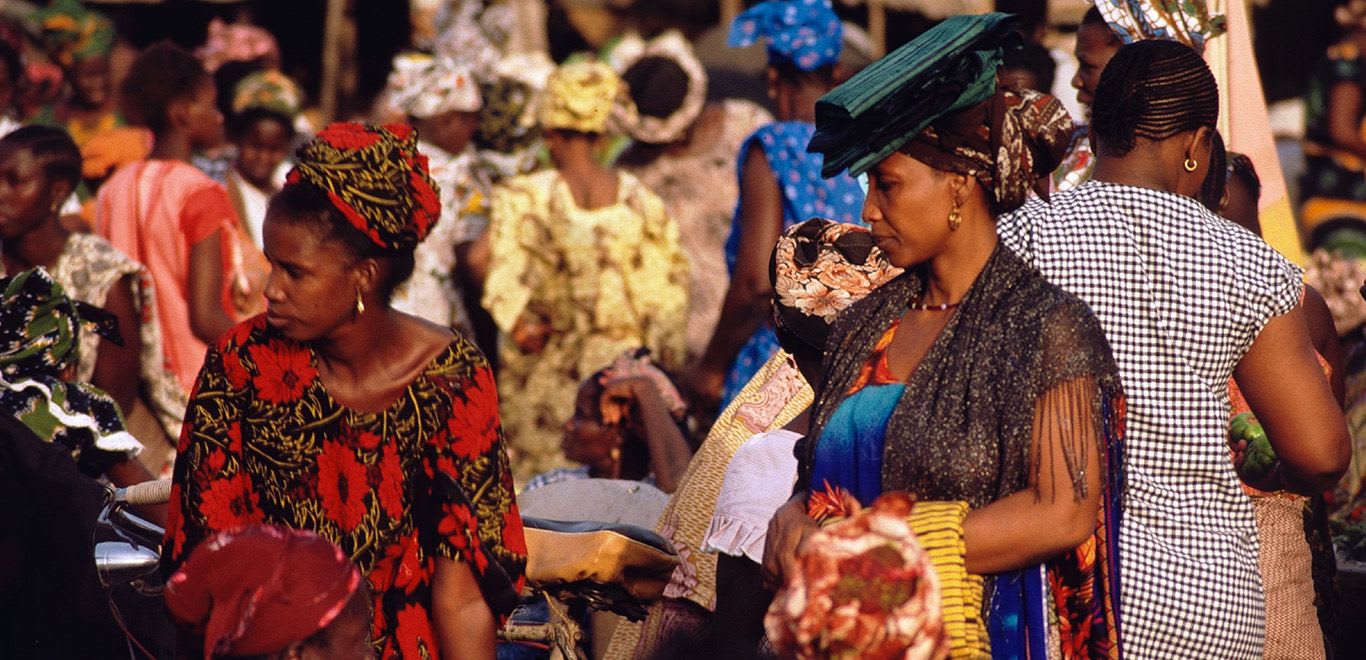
(1095, 46)
(907, 209)
(26, 198)
(311, 290)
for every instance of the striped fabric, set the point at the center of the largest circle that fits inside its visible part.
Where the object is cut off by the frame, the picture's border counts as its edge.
(939, 527)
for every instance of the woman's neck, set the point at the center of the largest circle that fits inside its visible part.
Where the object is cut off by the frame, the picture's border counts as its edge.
(351, 351)
(39, 247)
(950, 274)
(172, 145)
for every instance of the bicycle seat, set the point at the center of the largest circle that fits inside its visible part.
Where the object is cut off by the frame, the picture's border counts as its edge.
(563, 553)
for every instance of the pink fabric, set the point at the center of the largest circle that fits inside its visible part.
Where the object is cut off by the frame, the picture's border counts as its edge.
(155, 211)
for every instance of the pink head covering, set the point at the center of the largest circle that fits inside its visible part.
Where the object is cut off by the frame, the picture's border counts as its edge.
(258, 589)
(237, 43)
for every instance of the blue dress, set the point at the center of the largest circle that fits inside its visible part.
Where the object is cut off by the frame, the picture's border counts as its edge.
(805, 195)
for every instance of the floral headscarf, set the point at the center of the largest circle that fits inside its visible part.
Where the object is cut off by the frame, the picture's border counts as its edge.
(258, 589)
(71, 32)
(1007, 142)
(425, 86)
(269, 90)
(819, 268)
(376, 177)
(586, 97)
(236, 43)
(39, 329)
(863, 588)
(1176, 20)
(804, 33)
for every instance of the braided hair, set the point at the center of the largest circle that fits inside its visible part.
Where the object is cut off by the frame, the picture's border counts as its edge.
(1152, 89)
(1216, 180)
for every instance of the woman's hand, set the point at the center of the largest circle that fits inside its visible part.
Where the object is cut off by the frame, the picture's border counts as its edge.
(787, 530)
(531, 334)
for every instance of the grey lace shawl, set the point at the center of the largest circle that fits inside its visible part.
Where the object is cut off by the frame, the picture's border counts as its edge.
(963, 428)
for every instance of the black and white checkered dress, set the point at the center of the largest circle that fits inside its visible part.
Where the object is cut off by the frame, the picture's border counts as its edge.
(1181, 294)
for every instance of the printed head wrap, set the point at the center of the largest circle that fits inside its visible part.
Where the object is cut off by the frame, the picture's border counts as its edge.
(950, 67)
(258, 589)
(803, 33)
(377, 179)
(819, 268)
(587, 97)
(39, 330)
(70, 32)
(236, 43)
(1182, 21)
(425, 86)
(268, 90)
(863, 587)
(1006, 142)
(670, 128)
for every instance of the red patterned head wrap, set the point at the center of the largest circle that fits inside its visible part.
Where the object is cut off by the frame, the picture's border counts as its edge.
(258, 589)
(376, 178)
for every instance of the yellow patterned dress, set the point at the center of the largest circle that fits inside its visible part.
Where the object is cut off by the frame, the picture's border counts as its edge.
(603, 280)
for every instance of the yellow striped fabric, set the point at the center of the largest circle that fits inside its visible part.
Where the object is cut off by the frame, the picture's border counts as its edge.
(939, 526)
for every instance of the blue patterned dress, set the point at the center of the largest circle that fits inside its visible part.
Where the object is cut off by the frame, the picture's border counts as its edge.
(805, 195)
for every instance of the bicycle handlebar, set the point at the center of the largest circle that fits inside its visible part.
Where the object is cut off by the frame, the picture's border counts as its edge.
(157, 491)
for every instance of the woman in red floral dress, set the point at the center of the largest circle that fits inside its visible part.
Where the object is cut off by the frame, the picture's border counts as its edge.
(334, 413)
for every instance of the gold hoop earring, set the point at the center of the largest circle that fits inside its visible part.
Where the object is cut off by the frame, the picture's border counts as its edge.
(1190, 165)
(955, 218)
(360, 303)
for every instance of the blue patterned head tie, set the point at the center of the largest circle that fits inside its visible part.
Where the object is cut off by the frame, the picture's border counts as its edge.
(803, 33)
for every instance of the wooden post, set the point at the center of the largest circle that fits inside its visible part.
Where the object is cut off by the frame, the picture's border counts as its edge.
(333, 32)
(877, 26)
(729, 10)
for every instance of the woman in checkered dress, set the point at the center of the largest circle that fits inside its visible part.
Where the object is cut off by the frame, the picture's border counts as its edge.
(1186, 300)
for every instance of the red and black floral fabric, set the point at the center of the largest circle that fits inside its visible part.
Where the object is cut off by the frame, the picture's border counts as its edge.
(428, 477)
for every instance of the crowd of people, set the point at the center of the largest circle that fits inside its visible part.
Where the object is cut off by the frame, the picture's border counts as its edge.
(925, 364)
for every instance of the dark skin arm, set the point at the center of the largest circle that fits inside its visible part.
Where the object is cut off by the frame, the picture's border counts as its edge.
(208, 320)
(1344, 107)
(747, 300)
(669, 450)
(463, 621)
(1325, 339)
(1285, 387)
(472, 259)
(118, 368)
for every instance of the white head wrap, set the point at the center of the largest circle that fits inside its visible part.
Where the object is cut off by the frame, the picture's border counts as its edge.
(425, 86)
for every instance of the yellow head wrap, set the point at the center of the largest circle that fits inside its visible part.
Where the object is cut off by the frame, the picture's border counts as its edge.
(586, 97)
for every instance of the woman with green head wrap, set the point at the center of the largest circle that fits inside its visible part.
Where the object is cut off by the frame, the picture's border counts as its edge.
(968, 381)
(80, 41)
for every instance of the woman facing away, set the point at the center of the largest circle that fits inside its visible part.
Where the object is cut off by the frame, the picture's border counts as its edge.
(171, 217)
(337, 414)
(584, 264)
(968, 381)
(684, 150)
(780, 185)
(1187, 300)
(39, 166)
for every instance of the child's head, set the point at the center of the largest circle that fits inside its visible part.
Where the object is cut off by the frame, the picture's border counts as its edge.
(168, 90)
(1244, 192)
(1027, 67)
(263, 138)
